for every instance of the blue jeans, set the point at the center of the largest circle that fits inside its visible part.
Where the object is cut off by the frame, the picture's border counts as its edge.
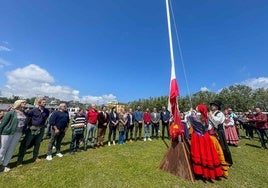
(147, 130)
(121, 137)
(91, 129)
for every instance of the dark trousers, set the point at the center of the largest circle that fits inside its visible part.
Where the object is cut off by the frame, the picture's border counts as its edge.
(112, 131)
(248, 129)
(76, 138)
(48, 131)
(138, 127)
(155, 129)
(261, 133)
(129, 131)
(31, 139)
(165, 126)
(101, 135)
(55, 138)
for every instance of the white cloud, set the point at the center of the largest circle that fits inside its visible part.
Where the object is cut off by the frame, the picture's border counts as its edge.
(255, 83)
(204, 89)
(30, 73)
(98, 99)
(32, 81)
(3, 48)
(4, 62)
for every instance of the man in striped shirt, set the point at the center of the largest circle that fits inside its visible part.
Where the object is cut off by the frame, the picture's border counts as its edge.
(78, 126)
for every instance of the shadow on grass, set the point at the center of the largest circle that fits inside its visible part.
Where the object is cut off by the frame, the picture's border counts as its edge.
(43, 156)
(252, 145)
(164, 141)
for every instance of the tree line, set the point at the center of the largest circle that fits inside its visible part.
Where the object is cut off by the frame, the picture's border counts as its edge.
(238, 97)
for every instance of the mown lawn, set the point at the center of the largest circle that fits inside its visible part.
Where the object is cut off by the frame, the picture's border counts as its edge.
(130, 165)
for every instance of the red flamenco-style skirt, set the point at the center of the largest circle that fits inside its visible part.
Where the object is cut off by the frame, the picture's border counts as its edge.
(205, 159)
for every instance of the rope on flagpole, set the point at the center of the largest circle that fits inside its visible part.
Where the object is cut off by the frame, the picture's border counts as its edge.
(181, 56)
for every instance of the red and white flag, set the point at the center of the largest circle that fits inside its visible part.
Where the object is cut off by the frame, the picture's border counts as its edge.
(177, 127)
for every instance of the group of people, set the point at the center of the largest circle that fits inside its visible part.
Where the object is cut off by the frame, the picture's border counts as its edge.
(19, 121)
(210, 133)
(128, 125)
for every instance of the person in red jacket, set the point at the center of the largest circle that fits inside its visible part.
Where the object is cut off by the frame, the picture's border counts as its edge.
(260, 120)
(92, 118)
(147, 124)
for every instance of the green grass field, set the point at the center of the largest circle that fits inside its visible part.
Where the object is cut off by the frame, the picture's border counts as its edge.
(130, 165)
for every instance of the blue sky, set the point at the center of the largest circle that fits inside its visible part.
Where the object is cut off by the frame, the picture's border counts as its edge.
(103, 50)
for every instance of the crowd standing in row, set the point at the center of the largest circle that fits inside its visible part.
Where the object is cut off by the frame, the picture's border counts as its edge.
(210, 132)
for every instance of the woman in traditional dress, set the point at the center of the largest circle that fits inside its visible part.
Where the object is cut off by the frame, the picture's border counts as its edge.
(230, 129)
(205, 159)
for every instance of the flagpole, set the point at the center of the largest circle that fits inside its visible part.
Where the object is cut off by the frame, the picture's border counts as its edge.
(174, 91)
(170, 41)
(177, 159)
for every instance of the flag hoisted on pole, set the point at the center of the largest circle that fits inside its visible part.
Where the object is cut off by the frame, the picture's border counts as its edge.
(174, 89)
(177, 158)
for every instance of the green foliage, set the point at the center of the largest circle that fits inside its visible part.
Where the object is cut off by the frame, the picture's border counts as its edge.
(129, 165)
(238, 97)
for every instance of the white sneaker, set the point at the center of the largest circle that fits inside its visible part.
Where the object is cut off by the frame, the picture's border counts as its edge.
(113, 142)
(144, 139)
(109, 143)
(6, 169)
(59, 154)
(49, 157)
(149, 139)
(53, 147)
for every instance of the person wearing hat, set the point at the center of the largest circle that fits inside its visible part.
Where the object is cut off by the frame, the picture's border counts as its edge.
(216, 118)
(11, 129)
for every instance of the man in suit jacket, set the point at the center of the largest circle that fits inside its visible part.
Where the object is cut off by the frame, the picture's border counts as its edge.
(165, 116)
(103, 121)
(130, 125)
(155, 118)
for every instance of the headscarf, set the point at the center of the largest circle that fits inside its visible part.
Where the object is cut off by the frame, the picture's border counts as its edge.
(203, 110)
(17, 103)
